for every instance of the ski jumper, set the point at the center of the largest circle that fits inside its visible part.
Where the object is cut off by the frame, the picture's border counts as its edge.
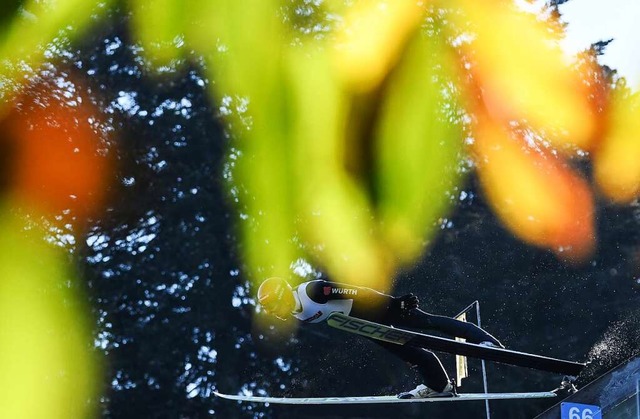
(316, 300)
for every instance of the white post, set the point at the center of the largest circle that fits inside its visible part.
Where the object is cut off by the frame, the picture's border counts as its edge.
(484, 367)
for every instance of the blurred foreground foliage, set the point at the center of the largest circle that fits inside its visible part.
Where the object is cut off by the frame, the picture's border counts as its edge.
(351, 131)
(49, 367)
(352, 124)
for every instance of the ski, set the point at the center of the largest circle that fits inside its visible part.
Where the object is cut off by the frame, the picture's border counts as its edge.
(382, 399)
(405, 337)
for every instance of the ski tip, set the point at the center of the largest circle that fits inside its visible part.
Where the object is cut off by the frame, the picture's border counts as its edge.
(219, 394)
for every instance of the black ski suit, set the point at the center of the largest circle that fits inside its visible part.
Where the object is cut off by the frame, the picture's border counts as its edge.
(317, 299)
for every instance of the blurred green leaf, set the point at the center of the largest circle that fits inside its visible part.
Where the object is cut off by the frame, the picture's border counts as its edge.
(7, 11)
(159, 26)
(35, 28)
(249, 63)
(335, 208)
(418, 146)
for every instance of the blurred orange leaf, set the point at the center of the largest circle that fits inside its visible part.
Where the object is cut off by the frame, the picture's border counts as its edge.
(534, 193)
(57, 164)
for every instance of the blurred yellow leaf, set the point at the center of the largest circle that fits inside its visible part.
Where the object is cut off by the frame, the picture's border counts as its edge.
(617, 160)
(372, 39)
(522, 74)
(49, 367)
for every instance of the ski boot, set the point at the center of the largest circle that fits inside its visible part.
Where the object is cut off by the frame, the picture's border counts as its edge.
(422, 392)
(566, 386)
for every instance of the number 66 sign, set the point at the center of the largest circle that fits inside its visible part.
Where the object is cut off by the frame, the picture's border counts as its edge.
(579, 411)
